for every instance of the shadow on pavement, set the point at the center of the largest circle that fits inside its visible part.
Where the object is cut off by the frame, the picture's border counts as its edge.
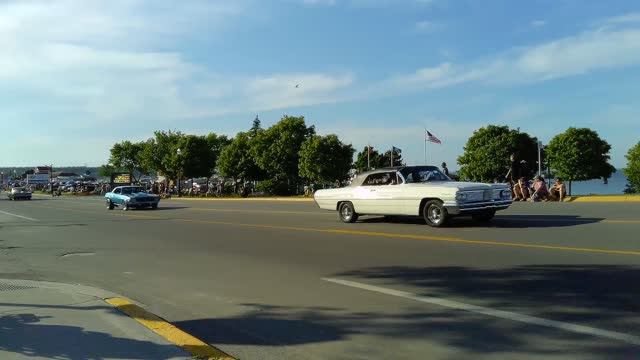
(26, 334)
(511, 221)
(605, 297)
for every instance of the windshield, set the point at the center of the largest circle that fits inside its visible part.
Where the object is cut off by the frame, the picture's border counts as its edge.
(420, 174)
(131, 190)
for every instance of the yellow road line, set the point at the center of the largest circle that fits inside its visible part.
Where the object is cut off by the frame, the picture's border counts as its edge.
(192, 345)
(262, 211)
(372, 233)
(630, 198)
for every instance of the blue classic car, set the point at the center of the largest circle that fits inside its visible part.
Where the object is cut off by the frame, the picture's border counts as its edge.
(127, 197)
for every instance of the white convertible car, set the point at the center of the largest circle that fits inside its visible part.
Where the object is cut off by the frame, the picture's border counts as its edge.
(414, 191)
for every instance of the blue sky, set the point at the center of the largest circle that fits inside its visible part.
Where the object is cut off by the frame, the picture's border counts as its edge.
(78, 75)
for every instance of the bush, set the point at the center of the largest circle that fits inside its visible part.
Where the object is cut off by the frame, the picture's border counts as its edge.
(630, 189)
(274, 187)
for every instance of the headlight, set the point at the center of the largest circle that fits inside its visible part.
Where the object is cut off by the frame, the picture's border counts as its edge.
(461, 196)
(506, 194)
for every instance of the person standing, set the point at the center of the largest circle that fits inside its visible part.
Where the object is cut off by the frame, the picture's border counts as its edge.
(514, 170)
(445, 170)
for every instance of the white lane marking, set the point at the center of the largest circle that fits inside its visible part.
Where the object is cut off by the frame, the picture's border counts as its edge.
(18, 216)
(580, 329)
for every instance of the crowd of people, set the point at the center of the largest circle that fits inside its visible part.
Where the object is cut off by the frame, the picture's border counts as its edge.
(535, 190)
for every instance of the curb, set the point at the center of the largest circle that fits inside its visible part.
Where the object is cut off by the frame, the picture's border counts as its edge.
(196, 347)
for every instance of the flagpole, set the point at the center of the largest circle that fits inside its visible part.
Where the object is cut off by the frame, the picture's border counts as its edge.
(392, 156)
(424, 138)
(368, 157)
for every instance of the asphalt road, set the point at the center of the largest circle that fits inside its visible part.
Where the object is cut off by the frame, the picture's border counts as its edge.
(267, 280)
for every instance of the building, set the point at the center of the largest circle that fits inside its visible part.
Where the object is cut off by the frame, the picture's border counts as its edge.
(42, 170)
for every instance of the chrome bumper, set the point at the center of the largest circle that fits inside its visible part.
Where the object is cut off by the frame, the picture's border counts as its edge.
(462, 208)
(142, 203)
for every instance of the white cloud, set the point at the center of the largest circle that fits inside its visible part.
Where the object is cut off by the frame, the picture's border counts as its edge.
(319, 2)
(366, 3)
(623, 19)
(538, 23)
(101, 58)
(590, 51)
(516, 113)
(426, 26)
(288, 90)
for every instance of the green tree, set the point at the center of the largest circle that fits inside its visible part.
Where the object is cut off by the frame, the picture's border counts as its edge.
(277, 149)
(160, 153)
(106, 170)
(374, 159)
(128, 156)
(216, 143)
(255, 127)
(236, 161)
(579, 154)
(196, 158)
(325, 159)
(397, 158)
(486, 154)
(632, 171)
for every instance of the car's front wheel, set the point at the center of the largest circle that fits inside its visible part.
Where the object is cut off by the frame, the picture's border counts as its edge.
(109, 204)
(435, 214)
(347, 213)
(154, 206)
(484, 216)
(125, 206)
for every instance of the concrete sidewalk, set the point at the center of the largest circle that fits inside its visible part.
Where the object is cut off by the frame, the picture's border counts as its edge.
(44, 320)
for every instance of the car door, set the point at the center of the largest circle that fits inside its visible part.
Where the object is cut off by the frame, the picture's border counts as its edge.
(377, 196)
(365, 196)
(116, 198)
(390, 196)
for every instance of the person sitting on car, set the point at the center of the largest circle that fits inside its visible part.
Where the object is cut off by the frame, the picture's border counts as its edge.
(558, 190)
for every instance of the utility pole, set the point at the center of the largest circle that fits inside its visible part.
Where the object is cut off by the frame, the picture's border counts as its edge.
(539, 158)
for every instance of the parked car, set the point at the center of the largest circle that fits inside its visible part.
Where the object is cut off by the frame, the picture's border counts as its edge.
(19, 193)
(127, 197)
(414, 191)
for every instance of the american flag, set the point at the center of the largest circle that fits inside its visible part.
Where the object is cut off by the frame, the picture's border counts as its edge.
(432, 138)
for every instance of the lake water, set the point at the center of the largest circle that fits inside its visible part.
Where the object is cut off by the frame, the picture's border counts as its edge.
(616, 185)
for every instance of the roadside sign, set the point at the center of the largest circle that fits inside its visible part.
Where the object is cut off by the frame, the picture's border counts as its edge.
(121, 179)
(37, 178)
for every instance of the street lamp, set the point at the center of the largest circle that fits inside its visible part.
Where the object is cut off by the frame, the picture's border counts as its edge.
(179, 152)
